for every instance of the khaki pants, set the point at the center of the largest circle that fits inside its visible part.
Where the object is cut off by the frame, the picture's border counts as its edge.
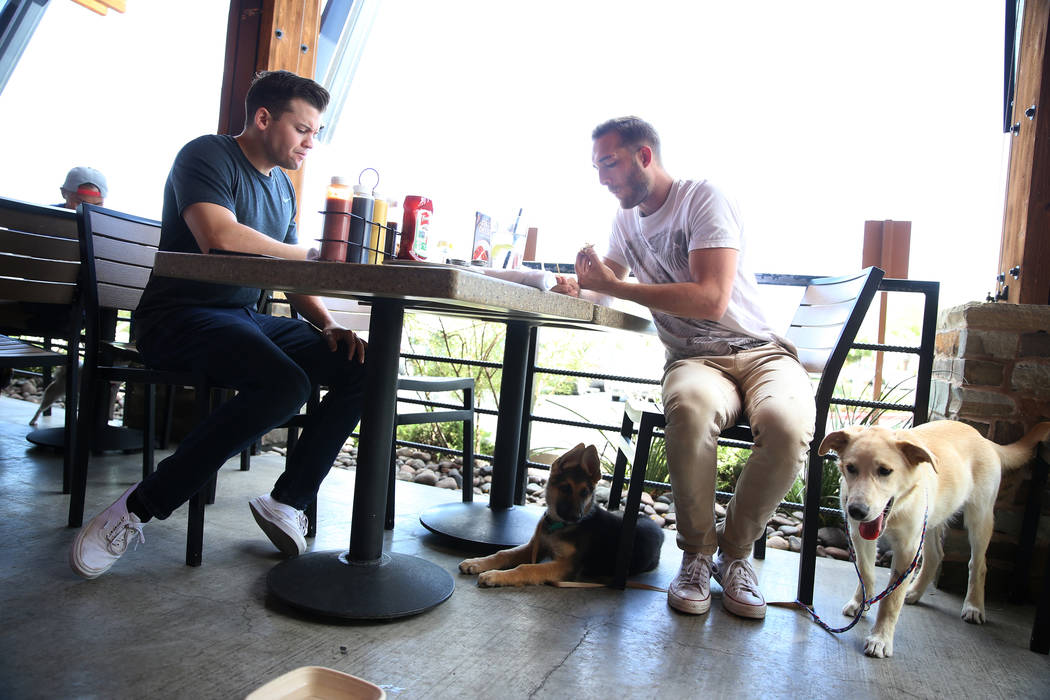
(704, 395)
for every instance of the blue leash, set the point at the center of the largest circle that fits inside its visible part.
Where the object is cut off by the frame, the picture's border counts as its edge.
(863, 591)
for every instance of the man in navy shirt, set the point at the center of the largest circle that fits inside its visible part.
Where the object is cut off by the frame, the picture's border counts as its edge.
(230, 193)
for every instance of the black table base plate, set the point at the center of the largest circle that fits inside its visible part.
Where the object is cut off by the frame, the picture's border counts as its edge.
(112, 438)
(476, 523)
(327, 584)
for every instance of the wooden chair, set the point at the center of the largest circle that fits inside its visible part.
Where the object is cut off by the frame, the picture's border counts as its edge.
(355, 316)
(117, 252)
(823, 329)
(39, 269)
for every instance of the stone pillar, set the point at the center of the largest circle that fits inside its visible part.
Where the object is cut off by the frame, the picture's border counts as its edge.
(992, 370)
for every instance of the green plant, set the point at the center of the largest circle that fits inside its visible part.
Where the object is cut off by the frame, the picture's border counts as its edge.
(829, 488)
(477, 340)
(439, 337)
(840, 416)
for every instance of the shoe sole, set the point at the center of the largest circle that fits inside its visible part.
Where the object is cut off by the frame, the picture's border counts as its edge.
(76, 563)
(75, 554)
(753, 612)
(690, 607)
(280, 539)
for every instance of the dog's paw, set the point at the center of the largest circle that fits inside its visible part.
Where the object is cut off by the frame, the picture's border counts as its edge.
(850, 609)
(471, 566)
(973, 615)
(913, 596)
(878, 647)
(490, 579)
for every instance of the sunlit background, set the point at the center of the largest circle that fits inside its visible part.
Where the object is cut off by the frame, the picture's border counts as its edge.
(815, 116)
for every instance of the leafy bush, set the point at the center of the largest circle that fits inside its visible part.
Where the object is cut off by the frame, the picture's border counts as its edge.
(441, 337)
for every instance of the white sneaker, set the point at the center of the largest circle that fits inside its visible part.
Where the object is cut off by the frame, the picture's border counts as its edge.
(740, 593)
(102, 541)
(283, 524)
(690, 591)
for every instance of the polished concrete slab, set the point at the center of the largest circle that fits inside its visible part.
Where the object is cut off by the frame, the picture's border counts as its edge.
(153, 627)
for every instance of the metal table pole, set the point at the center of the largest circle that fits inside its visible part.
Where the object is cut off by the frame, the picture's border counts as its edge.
(500, 523)
(365, 583)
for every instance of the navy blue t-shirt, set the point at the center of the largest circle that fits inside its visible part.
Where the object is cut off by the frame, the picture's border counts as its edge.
(214, 169)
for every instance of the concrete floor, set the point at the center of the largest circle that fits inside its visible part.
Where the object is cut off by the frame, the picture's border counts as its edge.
(153, 627)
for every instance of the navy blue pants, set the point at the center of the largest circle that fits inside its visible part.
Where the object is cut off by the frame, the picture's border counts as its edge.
(273, 363)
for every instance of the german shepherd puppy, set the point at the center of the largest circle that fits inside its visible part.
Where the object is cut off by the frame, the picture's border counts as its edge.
(579, 537)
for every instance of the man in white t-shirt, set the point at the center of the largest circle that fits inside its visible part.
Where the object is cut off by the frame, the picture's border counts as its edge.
(684, 241)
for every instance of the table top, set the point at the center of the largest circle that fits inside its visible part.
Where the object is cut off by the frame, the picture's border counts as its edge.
(438, 289)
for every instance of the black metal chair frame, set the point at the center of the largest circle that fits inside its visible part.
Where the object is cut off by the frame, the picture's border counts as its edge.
(465, 415)
(740, 435)
(117, 251)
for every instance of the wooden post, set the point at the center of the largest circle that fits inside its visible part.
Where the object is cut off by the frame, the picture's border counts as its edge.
(1024, 257)
(266, 35)
(887, 244)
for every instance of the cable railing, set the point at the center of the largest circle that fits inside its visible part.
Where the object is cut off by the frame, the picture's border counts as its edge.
(918, 408)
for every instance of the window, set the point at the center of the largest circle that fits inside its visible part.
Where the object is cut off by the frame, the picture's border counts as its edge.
(814, 116)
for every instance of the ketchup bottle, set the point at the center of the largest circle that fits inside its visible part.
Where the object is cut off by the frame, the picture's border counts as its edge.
(415, 228)
(336, 221)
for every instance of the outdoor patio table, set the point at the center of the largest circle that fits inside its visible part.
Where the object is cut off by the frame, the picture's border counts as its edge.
(364, 582)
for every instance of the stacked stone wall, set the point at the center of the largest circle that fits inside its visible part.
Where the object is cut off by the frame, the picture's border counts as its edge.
(992, 371)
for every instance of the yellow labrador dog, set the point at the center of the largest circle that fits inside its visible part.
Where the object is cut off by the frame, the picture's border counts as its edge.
(892, 478)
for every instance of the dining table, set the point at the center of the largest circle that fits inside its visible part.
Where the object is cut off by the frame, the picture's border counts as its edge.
(363, 581)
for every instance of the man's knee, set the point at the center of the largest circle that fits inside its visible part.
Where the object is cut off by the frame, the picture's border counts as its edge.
(285, 389)
(783, 424)
(694, 406)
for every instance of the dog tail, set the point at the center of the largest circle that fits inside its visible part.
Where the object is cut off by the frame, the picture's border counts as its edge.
(1019, 453)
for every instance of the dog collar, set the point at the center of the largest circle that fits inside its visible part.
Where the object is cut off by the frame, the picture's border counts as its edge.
(551, 525)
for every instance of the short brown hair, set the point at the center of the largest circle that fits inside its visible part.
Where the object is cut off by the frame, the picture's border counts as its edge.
(274, 89)
(633, 131)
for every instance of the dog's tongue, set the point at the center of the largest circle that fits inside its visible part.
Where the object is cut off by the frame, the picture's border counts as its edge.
(871, 529)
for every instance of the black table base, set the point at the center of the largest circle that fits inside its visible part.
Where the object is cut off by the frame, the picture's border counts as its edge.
(363, 583)
(477, 523)
(112, 438)
(330, 585)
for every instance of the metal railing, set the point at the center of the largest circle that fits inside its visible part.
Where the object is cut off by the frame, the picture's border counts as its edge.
(919, 408)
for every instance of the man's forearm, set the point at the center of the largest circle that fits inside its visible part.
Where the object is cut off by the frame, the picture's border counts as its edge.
(244, 239)
(686, 299)
(312, 309)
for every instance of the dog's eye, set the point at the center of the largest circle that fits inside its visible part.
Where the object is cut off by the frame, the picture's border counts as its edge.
(851, 469)
(885, 471)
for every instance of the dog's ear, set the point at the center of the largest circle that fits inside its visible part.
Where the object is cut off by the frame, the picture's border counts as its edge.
(569, 457)
(915, 452)
(573, 454)
(591, 464)
(838, 440)
(833, 441)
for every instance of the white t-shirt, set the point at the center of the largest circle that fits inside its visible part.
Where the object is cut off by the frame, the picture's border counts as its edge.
(656, 247)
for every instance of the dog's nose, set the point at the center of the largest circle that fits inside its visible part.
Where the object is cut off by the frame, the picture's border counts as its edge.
(858, 511)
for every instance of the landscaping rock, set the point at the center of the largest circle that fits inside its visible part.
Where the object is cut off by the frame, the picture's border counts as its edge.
(778, 542)
(833, 537)
(427, 477)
